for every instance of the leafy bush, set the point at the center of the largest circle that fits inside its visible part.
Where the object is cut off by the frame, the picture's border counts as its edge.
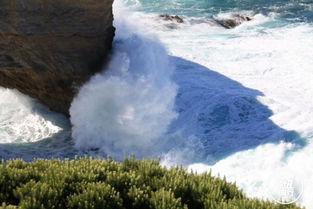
(86, 183)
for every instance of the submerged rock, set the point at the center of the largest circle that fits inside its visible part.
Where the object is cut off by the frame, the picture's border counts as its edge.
(173, 18)
(48, 49)
(233, 21)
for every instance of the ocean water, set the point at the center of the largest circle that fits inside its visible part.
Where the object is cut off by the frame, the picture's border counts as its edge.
(234, 101)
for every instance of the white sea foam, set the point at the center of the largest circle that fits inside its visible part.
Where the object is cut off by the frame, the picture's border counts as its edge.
(127, 108)
(23, 119)
(259, 171)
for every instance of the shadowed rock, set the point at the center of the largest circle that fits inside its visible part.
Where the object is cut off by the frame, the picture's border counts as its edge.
(48, 49)
(173, 18)
(233, 21)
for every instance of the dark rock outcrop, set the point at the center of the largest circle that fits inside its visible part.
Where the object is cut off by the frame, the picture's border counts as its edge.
(48, 48)
(173, 18)
(233, 21)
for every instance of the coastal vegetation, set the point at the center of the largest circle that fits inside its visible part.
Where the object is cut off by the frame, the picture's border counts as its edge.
(88, 183)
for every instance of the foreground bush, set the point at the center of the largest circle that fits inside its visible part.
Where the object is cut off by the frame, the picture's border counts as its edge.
(105, 184)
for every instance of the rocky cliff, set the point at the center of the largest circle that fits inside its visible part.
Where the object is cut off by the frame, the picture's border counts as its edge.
(49, 48)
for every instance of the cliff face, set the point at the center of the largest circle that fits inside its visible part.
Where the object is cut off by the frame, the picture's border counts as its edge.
(48, 48)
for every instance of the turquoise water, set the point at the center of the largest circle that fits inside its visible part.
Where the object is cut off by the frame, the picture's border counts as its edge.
(292, 10)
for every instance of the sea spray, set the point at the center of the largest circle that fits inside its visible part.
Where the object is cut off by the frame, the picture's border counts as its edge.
(128, 107)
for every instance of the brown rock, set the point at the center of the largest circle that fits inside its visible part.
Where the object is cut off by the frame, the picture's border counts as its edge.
(172, 18)
(233, 21)
(49, 48)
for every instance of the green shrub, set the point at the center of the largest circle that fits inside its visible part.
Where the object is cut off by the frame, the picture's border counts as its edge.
(87, 183)
(96, 195)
